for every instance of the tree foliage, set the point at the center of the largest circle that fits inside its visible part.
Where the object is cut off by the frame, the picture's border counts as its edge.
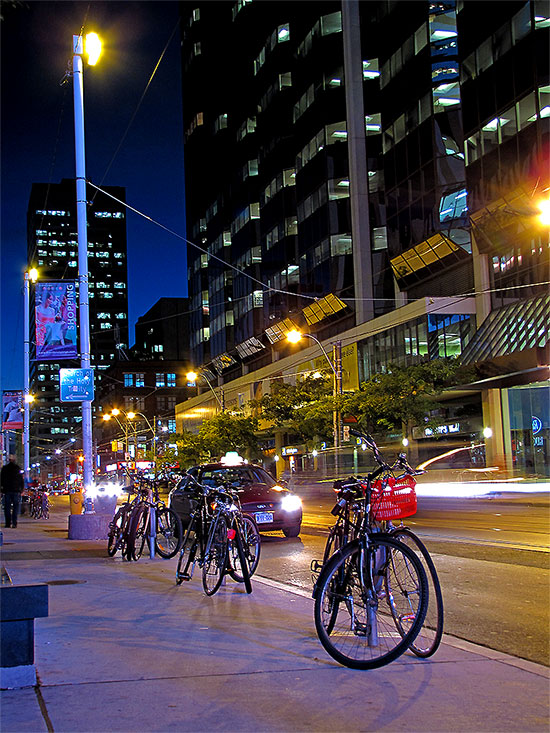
(403, 395)
(228, 432)
(304, 408)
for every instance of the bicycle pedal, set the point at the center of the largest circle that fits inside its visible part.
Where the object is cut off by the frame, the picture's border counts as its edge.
(183, 576)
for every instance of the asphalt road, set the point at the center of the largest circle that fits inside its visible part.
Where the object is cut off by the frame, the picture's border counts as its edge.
(492, 558)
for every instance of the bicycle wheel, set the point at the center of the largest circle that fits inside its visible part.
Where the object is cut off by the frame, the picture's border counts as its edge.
(251, 548)
(188, 551)
(360, 591)
(169, 532)
(137, 530)
(429, 637)
(115, 532)
(215, 559)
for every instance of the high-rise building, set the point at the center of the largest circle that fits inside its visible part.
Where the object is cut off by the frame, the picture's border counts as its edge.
(334, 154)
(163, 332)
(53, 249)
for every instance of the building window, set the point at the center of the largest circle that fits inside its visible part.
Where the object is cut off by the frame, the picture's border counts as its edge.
(158, 348)
(128, 380)
(170, 380)
(160, 380)
(140, 379)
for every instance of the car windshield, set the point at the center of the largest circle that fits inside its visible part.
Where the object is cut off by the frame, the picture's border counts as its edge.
(235, 475)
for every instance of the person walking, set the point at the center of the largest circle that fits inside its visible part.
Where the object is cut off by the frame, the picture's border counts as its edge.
(12, 483)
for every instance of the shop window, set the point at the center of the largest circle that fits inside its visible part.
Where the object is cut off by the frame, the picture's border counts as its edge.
(544, 101)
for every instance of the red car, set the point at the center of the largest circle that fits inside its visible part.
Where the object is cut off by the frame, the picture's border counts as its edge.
(272, 505)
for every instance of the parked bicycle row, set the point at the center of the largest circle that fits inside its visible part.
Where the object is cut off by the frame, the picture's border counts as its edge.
(376, 589)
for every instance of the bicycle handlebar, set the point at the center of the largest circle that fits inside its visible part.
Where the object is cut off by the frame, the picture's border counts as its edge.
(400, 463)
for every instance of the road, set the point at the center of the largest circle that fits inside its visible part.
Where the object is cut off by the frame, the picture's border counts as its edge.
(491, 556)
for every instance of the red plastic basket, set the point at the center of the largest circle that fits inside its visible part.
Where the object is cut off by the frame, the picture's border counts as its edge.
(393, 499)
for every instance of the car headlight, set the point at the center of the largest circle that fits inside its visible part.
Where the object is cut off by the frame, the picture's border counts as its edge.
(291, 503)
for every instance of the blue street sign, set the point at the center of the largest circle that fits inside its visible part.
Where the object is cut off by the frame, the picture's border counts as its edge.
(76, 385)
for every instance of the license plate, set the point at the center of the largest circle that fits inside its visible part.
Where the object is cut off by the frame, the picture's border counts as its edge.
(263, 517)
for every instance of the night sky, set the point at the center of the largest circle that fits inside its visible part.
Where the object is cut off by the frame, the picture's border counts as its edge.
(37, 140)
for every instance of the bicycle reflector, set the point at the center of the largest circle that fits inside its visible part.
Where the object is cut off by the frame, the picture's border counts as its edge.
(231, 534)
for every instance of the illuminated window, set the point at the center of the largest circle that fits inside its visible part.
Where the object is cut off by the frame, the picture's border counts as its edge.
(140, 379)
(160, 380)
(128, 380)
(370, 69)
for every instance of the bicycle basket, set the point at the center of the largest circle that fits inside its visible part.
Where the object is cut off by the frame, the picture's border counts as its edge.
(393, 499)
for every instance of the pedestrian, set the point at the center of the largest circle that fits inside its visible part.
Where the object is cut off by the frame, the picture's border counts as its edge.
(11, 481)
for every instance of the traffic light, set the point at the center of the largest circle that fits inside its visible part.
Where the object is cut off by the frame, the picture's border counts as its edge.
(345, 432)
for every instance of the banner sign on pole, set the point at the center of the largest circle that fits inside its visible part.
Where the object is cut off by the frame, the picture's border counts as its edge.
(55, 315)
(76, 385)
(12, 410)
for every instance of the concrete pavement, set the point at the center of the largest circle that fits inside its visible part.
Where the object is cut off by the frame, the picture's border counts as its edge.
(124, 649)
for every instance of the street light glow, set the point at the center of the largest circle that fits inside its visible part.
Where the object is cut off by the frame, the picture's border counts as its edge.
(33, 274)
(294, 336)
(191, 376)
(544, 216)
(130, 415)
(93, 48)
(29, 398)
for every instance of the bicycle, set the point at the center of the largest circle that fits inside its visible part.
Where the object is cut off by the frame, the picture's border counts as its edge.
(131, 526)
(219, 538)
(164, 532)
(39, 505)
(392, 497)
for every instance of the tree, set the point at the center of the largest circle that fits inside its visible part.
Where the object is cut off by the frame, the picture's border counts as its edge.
(228, 432)
(404, 395)
(190, 449)
(304, 408)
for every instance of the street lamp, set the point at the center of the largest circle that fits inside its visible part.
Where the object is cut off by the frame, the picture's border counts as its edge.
(30, 276)
(544, 212)
(93, 49)
(192, 378)
(336, 366)
(115, 412)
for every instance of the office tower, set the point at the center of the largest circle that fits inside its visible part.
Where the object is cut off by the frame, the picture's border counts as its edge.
(52, 248)
(505, 87)
(338, 156)
(163, 332)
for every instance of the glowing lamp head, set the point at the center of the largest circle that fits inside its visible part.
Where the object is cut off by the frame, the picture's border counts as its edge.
(115, 411)
(93, 48)
(293, 336)
(33, 274)
(29, 398)
(544, 215)
(130, 415)
(487, 432)
(191, 376)
(106, 417)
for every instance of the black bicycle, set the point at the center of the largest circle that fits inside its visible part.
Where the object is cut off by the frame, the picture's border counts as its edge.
(392, 497)
(219, 538)
(144, 520)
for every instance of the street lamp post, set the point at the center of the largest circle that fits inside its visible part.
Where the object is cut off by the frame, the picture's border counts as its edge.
(83, 297)
(336, 367)
(30, 276)
(192, 378)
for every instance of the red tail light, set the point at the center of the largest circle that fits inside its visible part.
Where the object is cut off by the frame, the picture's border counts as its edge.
(231, 534)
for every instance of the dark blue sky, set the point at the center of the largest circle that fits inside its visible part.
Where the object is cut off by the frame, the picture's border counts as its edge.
(38, 141)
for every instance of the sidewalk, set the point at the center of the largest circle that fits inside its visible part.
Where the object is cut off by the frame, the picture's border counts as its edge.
(124, 649)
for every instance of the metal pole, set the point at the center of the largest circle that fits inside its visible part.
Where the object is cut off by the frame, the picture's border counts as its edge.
(26, 374)
(80, 158)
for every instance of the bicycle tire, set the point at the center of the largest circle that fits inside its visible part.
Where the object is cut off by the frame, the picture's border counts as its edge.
(115, 531)
(429, 637)
(189, 549)
(169, 537)
(243, 562)
(359, 592)
(136, 532)
(215, 559)
(251, 542)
